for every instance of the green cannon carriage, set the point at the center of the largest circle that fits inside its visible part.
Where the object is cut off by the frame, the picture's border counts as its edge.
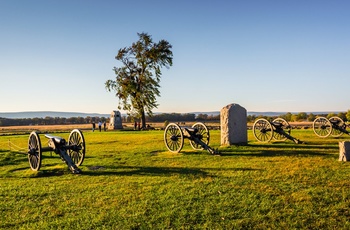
(71, 152)
(279, 130)
(198, 136)
(334, 126)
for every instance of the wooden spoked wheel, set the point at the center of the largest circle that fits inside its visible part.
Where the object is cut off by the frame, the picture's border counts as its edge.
(77, 152)
(173, 138)
(262, 130)
(281, 124)
(337, 123)
(322, 127)
(34, 151)
(202, 134)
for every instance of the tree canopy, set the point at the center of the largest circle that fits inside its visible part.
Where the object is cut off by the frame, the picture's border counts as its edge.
(137, 80)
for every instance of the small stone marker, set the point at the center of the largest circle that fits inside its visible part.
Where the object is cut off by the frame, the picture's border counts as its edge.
(344, 151)
(233, 122)
(115, 121)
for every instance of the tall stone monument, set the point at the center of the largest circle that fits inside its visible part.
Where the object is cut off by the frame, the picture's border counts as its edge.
(233, 122)
(115, 121)
(344, 151)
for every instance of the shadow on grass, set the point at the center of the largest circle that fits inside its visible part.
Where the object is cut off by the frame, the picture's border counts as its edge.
(294, 146)
(12, 158)
(155, 171)
(270, 150)
(52, 172)
(28, 173)
(269, 153)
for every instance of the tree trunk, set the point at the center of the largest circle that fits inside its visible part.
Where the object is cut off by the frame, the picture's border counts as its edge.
(143, 119)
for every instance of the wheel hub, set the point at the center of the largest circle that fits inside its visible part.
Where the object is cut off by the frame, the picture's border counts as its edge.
(263, 131)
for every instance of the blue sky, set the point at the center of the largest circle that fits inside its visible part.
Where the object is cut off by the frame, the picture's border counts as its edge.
(266, 55)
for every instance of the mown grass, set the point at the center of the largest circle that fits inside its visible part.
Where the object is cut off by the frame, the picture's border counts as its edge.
(130, 181)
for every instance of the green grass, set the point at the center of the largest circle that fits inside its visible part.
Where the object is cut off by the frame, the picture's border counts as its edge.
(130, 181)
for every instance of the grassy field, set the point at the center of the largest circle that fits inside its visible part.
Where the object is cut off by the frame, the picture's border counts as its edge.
(130, 181)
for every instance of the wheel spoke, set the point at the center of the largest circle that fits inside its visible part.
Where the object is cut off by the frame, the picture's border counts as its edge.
(202, 134)
(173, 138)
(262, 130)
(34, 151)
(337, 126)
(322, 127)
(77, 154)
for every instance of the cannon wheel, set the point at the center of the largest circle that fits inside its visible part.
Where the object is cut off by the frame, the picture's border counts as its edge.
(76, 138)
(173, 138)
(202, 134)
(262, 130)
(322, 127)
(340, 123)
(34, 151)
(285, 127)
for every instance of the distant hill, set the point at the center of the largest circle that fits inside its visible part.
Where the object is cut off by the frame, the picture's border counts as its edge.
(43, 114)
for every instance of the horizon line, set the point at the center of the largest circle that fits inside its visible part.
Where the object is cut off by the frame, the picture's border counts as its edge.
(251, 111)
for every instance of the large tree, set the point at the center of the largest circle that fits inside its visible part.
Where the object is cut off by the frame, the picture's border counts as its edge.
(137, 80)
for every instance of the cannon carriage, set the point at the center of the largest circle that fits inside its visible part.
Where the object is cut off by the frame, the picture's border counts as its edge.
(72, 152)
(279, 129)
(198, 136)
(334, 126)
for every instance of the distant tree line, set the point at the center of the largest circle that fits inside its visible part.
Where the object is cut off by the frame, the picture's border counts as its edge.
(302, 116)
(49, 121)
(171, 117)
(175, 117)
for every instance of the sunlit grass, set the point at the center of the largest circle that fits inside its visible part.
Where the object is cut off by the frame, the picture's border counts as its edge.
(130, 181)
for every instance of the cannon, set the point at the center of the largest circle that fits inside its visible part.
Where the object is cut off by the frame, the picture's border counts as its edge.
(198, 136)
(71, 152)
(334, 126)
(279, 129)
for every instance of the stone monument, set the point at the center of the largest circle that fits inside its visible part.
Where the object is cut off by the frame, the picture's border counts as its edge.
(344, 151)
(233, 122)
(115, 121)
